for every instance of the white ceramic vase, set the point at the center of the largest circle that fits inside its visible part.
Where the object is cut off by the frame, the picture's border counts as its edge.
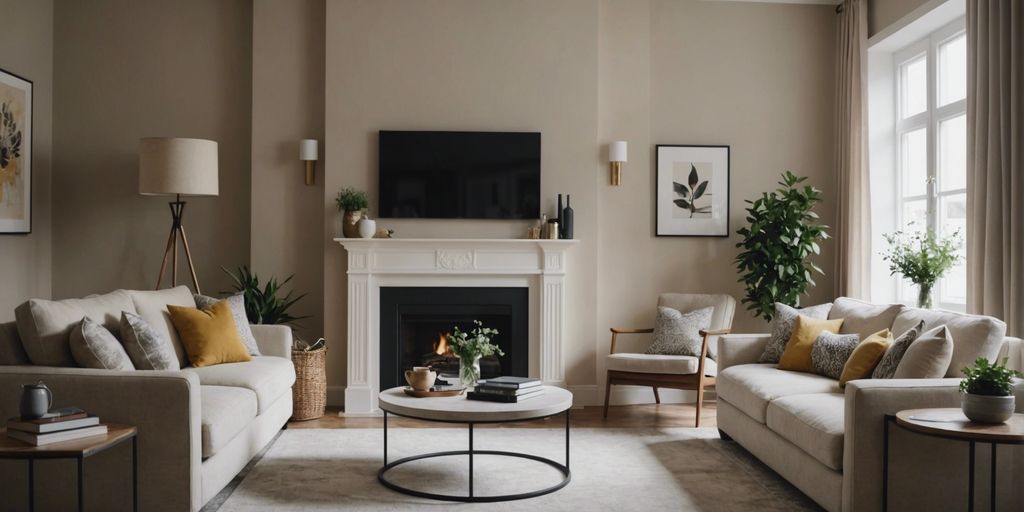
(987, 408)
(367, 228)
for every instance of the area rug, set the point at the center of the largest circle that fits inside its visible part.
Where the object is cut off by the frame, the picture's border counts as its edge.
(612, 469)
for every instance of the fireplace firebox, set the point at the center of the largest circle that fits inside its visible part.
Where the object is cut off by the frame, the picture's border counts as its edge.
(415, 322)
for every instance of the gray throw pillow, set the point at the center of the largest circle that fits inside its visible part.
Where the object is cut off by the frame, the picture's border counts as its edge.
(928, 357)
(237, 304)
(831, 351)
(93, 346)
(886, 368)
(677, 333)
(147, 348)
(782, 328)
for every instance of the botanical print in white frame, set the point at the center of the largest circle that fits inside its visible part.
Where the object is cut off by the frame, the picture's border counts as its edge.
(692, 197)
(15, 154)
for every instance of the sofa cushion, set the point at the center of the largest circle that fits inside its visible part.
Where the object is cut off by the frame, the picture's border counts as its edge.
(93, 346)
(151, 305)
(886, 367)
(814, 423)
(864, 318)
(267, 376)
(865, 357)
(928, 356)
(237, 304)
(750, 387)
(797, 356)
(783, 322)
(146, 347)
(12, 353)
(225, 411)
(210, 336)
(45, 325)
(830, 353)
(654, 363)
(677, 333)
(973, 336)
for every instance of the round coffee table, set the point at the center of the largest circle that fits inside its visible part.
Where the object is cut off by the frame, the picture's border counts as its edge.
(457, 409)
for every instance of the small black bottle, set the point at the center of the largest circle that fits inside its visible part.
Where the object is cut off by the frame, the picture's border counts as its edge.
(566, 225)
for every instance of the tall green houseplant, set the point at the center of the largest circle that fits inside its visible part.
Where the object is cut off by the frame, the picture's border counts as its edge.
(782, 234)
(264, 304)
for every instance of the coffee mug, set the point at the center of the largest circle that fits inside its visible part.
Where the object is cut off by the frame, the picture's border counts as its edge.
(420, 378)
(36, 399)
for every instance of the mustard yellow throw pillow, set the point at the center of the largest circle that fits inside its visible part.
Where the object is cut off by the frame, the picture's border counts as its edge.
(865, 357)
(797, 356)
(209, 335)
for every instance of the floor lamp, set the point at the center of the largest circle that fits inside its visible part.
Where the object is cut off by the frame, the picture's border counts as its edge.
(177, 167)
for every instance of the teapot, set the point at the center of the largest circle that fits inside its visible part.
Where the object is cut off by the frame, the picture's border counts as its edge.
(36, 400)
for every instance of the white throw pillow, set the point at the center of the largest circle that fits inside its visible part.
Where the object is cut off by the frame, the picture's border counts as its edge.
(93, 346)
(928, 357)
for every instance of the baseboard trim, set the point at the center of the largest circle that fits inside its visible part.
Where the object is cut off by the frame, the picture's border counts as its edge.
(637, 395)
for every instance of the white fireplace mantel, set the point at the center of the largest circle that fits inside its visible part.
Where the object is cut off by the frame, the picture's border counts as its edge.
(539, 265)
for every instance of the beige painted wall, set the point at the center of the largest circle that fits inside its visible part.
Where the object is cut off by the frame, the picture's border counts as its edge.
(882, 13)
(26, 49)
(287, 106)
(127, 69)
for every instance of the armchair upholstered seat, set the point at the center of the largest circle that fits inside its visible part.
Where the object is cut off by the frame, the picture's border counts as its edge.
(695, 373)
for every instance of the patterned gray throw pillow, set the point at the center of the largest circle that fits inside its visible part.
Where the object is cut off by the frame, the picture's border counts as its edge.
(830, 352)
(782, 328)
(146, 347)
(891, 359)
(93, 346)
(677, 333)
(237, 304)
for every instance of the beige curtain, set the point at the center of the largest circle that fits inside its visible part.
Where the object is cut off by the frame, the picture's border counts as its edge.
(995, 160)
(853, 214)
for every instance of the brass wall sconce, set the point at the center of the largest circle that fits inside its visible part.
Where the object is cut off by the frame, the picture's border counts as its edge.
(308, 154)
(617, 157)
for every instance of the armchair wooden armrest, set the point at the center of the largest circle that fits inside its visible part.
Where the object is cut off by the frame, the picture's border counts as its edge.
(714, 332)
(622, 330)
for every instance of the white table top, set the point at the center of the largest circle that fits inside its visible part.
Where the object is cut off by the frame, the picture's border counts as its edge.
(459, 409)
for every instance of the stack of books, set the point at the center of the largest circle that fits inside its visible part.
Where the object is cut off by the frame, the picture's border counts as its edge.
(506, 389)
(55, 426)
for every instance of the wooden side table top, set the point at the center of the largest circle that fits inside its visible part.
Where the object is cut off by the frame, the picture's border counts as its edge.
(14, 449)
(959, 427)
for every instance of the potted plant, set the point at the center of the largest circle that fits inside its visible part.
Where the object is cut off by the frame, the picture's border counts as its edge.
(783, 233)
(262, 303)
(921, 257)
(352, 203)
(988, 391)
(469, 348)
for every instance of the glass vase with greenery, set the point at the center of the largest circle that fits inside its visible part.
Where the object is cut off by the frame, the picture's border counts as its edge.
(774, 262)
(470, 347)
(921, 257)
(264, 304)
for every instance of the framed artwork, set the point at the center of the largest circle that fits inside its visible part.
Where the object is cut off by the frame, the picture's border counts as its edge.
(692, 193)
(15, 154)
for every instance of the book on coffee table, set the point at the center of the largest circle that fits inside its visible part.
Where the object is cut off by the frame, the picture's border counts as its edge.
(45, 427)
(507, 382)
(509, 399)
(57, 437)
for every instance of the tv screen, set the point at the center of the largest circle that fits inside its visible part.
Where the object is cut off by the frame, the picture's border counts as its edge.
(459, 175)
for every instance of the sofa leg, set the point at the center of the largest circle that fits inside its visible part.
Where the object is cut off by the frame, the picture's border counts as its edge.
(657, 397)
(723, 435)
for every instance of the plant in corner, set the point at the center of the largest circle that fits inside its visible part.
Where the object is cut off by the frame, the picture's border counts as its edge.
(783, 233)
(922, 258)
(470, 347)
(262, 303)
(988, 391)
(352, 203)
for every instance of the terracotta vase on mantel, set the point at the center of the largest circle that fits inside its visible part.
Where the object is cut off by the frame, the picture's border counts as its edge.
(350, 223)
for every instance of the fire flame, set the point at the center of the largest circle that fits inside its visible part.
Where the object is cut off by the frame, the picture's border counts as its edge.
(441, 347)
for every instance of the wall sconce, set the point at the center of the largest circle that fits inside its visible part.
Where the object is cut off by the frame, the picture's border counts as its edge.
(617, 157)
(308, 154)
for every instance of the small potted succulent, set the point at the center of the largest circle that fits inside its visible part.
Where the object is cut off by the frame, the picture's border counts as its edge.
(988, 391)
(470, 347)
(352, 203)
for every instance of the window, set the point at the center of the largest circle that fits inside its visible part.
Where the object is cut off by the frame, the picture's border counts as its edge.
(931, 148)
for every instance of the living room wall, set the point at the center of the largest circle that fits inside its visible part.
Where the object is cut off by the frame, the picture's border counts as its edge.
(26, 49)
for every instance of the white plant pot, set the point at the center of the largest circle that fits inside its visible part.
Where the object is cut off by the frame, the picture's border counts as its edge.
(988, 409)
(367, 228)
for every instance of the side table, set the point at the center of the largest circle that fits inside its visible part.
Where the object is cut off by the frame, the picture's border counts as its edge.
(79, 449)
(953, 425)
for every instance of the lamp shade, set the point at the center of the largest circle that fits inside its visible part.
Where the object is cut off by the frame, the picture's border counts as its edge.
(617, 151)
(169, 165)
(307, 149)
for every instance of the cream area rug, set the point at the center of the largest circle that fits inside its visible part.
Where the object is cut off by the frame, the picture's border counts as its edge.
(612, 469)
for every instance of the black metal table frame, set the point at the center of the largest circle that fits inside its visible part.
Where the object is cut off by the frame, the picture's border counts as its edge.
(81, 472)
(891, 419)
(472, 498)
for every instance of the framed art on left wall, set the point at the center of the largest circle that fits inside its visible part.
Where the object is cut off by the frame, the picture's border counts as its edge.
(15, 154)
(692, 197)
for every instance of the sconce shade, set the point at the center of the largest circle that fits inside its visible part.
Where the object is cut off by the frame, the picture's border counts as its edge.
(308, 149)
(171, 165)
(617, 151)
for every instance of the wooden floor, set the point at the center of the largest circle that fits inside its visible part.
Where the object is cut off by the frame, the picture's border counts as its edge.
(626, 416)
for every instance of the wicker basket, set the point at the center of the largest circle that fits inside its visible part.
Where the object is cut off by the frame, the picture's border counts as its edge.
(309, 394)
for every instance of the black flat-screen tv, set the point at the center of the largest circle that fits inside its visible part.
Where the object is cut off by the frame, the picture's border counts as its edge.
(459, 175)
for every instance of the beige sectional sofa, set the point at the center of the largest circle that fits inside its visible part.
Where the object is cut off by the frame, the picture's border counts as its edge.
(198, 427)
(828, 441)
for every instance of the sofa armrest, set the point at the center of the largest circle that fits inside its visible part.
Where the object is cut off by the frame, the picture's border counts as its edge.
(273, 340)
(735, 349)
(163, 405)
(867, 403)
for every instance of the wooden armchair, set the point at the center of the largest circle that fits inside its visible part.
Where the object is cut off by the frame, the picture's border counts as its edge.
(694, 373)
